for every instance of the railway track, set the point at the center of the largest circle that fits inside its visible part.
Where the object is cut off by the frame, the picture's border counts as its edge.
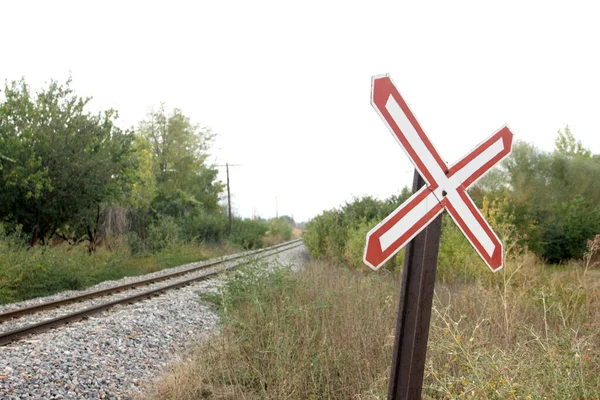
(171, 281)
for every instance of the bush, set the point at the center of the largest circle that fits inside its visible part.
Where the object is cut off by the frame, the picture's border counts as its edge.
(206, 227)
(281, 227)
(135, 243)
(163, 233)
(248, 233)
(569, 228)
(326, 235)
(13, 239)
(457, 259)
(340, 235)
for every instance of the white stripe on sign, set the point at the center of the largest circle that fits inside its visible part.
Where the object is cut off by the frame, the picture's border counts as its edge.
(409, 220)
(473, 225)
(460, 176)
(415, 141)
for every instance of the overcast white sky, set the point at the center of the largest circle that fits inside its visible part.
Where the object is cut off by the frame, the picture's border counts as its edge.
(286, 85)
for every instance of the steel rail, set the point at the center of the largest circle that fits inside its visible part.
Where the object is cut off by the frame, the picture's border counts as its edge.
(10, 336)
(131, 285)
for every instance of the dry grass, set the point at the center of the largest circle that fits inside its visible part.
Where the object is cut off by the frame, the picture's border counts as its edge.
(324, 331)
(297, 232)
(273, 239)
(327, 332)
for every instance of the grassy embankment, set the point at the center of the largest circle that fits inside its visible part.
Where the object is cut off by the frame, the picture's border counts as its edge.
(29, 272)
(42, 271)
(530, 331)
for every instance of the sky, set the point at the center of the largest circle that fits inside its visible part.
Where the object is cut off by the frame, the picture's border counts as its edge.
(286, 85)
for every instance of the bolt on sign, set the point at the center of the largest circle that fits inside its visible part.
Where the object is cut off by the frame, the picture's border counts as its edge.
(416, 223)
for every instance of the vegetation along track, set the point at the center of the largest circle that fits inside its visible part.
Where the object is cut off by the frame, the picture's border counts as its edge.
(14, 334)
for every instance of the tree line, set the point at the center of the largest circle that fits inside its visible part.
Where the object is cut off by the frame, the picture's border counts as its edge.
(70, 175)
(551, 198)
(548, 202)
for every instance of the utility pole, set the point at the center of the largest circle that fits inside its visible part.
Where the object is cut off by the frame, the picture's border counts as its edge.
(276, 208)
(228, 197)
(227, 165)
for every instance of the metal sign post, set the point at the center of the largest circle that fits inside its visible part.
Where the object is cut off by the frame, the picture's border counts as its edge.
(414, 313)
(437, 187)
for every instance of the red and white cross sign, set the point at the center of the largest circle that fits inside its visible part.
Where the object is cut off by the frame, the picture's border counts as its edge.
(445, 186)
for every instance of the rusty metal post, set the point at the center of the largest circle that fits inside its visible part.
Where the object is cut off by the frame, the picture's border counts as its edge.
(414, 314)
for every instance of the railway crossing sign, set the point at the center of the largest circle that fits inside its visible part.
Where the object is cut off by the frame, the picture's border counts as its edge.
(417, 225)
(445, 187)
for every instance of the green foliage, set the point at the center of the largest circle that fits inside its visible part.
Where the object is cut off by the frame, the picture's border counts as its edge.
(62, 169)
(60, 162)
(180, 151)
(571, 224)
(206, 226)
(567, 144)
(555, 197)
(248, 233)
(324, 333)
(186, 191)
(247, 282)
(14, 239)
(294, 336)
(549, 203)
(68, 175)
(326, 234)
(135, 243)
(339, 235)
(457, 260)
(29, 272)
(281, 227)
(163, 234)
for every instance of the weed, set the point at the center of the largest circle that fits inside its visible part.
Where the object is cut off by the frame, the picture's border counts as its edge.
(327, 332)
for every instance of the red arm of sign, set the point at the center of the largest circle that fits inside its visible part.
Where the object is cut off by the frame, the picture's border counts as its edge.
(400, 120)
(400, 227)
(476, 229)
(472, 167)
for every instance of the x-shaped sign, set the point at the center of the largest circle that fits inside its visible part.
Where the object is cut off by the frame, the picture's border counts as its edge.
(445, 186)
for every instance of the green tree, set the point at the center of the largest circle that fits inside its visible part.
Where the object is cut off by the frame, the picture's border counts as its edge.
(567, 144)
(67, 161)
(185, 182)
(569, 227)
(553, 196)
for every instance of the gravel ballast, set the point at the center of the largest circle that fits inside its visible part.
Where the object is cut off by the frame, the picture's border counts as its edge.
(116, 353)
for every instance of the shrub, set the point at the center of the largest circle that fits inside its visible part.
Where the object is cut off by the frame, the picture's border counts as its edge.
(354, 248)
(457, 259)
(135, 243)
(163, 233)
(205, 226)
(571, 225)
(326, 235)
(281, 227)
(248, 233)
(13, 239)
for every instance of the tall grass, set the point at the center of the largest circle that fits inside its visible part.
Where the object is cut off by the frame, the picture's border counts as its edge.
(327, 333)
(310, 336)
(27, 273)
